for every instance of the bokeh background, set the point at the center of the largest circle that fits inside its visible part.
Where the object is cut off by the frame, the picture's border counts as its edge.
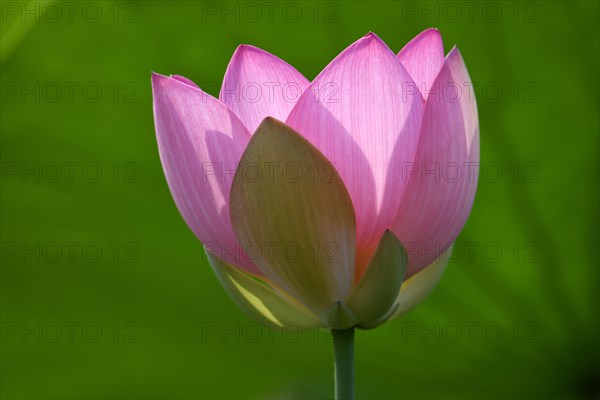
(105, 293)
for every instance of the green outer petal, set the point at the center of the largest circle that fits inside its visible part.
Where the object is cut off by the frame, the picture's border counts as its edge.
(376, 323)
(298, 213)
(260, 301)
(418, 286)
(376, 293)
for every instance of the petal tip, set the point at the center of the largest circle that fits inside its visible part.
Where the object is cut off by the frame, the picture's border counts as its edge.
(372, 37)
(267, 124)
(372, 41)
(184, 80)
(238, 53)
(270, 121)
(157, 78)
(243, 49)
(160, 81)
(165, 82)
(454, 52)
(431, 36)
(455, 59)
(431, 33)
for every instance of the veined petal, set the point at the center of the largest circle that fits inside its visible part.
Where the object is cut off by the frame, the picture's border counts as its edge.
(200, 142)
(416, 288)
(263, 302)
(364, 113)
(436, 204)
(423, 58)
(288, 202)
(258, 85)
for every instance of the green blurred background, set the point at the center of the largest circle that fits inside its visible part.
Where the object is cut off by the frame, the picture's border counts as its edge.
(106, 294)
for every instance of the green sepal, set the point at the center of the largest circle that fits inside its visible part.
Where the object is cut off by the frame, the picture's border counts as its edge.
(374, 298)
(310, 211)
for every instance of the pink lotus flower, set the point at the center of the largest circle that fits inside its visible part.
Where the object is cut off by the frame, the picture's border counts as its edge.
(387, 123)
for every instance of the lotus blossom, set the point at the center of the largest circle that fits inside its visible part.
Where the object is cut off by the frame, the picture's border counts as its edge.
(319, 203)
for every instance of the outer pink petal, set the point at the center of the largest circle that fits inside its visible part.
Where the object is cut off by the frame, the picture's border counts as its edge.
(362, 114)
(423, 58)
(258, 85)
(200, 142)
(443, 179)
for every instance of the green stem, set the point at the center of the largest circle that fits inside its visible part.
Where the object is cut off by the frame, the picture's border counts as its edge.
(343, 346)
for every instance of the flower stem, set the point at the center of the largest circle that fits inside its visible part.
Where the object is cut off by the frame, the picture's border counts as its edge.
(343, 346)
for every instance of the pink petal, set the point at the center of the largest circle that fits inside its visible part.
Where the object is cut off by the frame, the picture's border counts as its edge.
(423, 58)
(364, 114)
(185, 80)
(200, 142)
(258, 85)
(443, 179)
